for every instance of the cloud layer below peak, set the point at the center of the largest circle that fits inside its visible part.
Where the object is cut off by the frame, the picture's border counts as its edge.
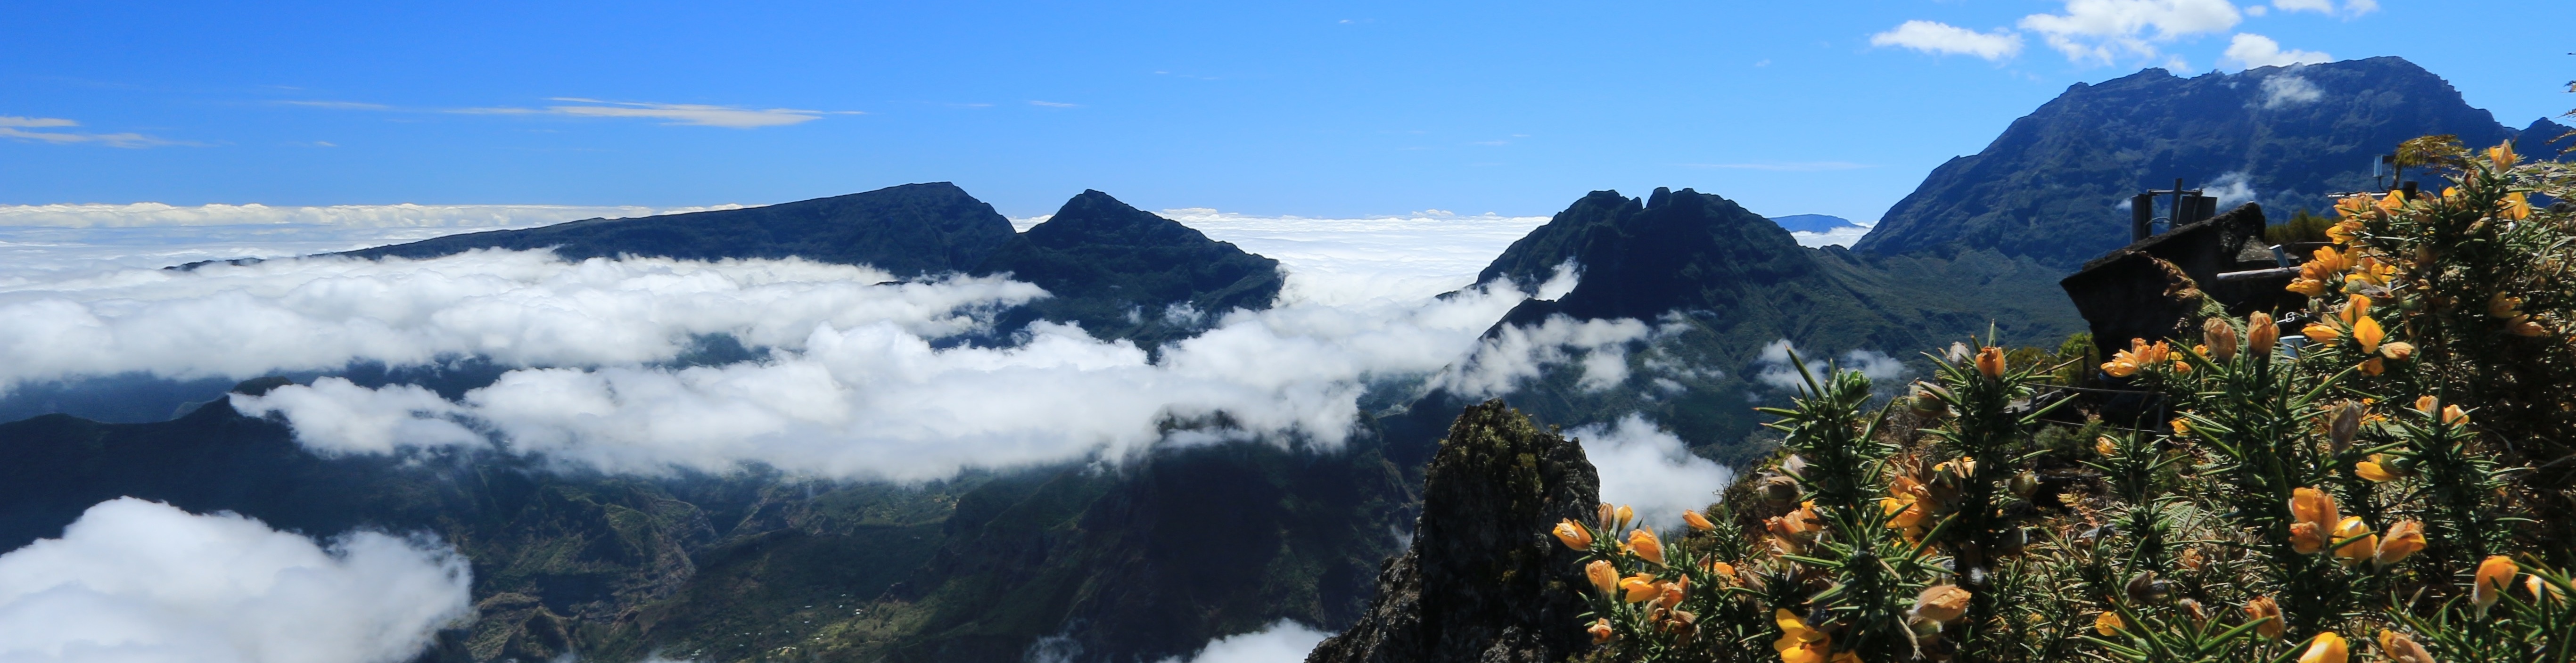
(145, 582)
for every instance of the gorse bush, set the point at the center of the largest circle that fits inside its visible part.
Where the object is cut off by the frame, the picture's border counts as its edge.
(2382, 474)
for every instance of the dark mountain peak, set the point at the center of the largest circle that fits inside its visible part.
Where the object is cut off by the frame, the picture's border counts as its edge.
(1093, 217)
(2050, 187)
(1640, 260)
(1480, 582)
(1124, 272)
(910, 230)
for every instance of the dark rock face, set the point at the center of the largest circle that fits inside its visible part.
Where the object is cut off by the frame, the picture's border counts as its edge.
(1483, 581)
(910, 230)
(2049, 187)
(1123, 272)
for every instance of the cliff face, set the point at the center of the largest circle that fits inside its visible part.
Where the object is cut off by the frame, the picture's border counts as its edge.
(1483, 582)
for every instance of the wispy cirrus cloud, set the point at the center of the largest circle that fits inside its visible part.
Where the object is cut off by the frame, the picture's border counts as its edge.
(1786, 166)
(701, 115)
(17, 127)
(1053, 104)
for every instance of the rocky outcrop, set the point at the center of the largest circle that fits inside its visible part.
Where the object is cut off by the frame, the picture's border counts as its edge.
(1483, 582)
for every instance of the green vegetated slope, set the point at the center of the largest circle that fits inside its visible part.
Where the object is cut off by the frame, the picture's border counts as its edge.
(1147, 558)
(2051, 187)
(1722, 284)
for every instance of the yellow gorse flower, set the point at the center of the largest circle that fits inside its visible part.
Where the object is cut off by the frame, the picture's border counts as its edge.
(1799, 643)
(2501, 156)
(1990, 362)
(2320, 334)
(2395, 200)
(2375, 469)
(2403, 540)
(1645, 546)
(2515, 206)
(2326, 648)
(2360, 549)
(2315, 520)
(1697, 522)
(1572, 535)
(2493, 575)
(2108, 623)
(2366, 332)
(2343, 231)
(1638, 588)
(1603, 576)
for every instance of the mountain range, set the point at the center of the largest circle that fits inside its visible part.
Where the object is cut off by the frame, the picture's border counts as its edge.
(2055, 185)
(1153, 556)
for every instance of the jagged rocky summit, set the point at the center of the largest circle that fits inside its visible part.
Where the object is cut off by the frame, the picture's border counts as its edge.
(1483, 583)
(2053, 186)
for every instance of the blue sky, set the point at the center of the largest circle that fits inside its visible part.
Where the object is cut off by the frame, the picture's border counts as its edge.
(1323, 108)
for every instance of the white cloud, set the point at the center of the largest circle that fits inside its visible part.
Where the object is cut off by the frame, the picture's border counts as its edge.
(2253, 50)
(857, 382)
(871, 397)
(1834, 237)
(1053, 104)
(518, 308)
(2280, 91)
(1361, 260)
(1651, 469)
(2231, 189)
(1774, 368)
(1946, 39)
(16, 127)
(145, 582)
(2350, 8)
(1282, 642)
(703, 115)
(2102, 30)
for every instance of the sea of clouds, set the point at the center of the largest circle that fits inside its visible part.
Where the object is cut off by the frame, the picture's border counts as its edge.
(143, 582)
(858, 377)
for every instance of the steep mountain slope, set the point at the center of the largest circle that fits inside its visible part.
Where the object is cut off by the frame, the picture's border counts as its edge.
(1723, 284)
(910, 230)
(2053, 186)
(1122, 272)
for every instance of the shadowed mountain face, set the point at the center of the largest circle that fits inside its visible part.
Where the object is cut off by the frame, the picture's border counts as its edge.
(2053, 186)
(1121, 272)
(1117, 271)
(1721, 285)
(910, 230)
